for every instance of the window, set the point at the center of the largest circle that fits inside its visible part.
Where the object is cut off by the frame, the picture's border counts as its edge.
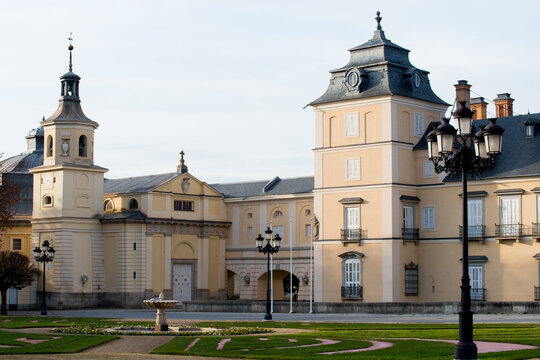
(418, 124)
(411, 279)
(277, 230)
(249, 215)
(180, 205)
(475, 218)
(428, 217)
(428, 168)
(408, 216)
(351, 266)
(49, 145)
(16, 244)
(278, 214)
(351, 125)
(82, 146)
(352, 217)
(353, 169)
(509, 207)
(108, 205)
(308, 230)
(308, 212)
(250, 232)
(529, 130)
(133, 204)
(476, 273)
(47, 200)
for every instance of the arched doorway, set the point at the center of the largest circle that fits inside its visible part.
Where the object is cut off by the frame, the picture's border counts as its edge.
(230, 285)
(278, 285)
(287, 286)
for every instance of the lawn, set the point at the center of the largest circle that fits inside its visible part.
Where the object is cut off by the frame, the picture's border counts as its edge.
(21, 343)
(320, 338)
(351, 336)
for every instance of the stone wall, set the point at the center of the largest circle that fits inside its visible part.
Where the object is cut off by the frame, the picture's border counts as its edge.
(372, 308)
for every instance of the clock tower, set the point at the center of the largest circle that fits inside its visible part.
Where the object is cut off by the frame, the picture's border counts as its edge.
(68, 198)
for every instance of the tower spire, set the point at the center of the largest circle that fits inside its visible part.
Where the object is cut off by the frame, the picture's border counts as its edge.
(182, 168)
(70, 48)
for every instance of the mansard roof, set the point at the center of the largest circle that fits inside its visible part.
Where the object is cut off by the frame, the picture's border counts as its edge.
(381, 68)
(275, 186)
(519, 156)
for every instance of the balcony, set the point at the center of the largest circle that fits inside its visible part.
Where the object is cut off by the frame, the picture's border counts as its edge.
(409, 234)
(476, 232)
(508, 231)
(478, 294)
(536, 293)
(351, 236)
(535, 231)
(352, 292)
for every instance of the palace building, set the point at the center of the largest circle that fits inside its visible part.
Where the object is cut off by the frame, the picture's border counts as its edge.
(377, 222)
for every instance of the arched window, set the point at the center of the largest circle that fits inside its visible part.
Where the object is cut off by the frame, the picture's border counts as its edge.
(278, 214)
(108, 205)
(351, 265)
(133, 204)
(49, 145)
(249, 215)
(82, 146)
(308, 212)
(47, 200)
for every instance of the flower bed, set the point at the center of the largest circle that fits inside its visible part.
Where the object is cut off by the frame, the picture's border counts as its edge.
(149, 330)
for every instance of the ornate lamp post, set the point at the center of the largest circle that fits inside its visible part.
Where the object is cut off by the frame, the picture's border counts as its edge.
(44, 254)
(271, 247)
(487, 145)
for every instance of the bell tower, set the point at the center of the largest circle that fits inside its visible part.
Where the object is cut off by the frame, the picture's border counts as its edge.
(68, 199)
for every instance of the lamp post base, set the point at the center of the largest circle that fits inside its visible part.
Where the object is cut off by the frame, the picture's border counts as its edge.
(267, 317)
(466, 351)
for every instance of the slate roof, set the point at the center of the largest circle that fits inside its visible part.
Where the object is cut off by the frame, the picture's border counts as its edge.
(385, 69)
(137, 184)
(520, 154)
(276, 186)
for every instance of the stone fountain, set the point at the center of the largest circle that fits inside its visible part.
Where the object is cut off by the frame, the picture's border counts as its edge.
(161, 316)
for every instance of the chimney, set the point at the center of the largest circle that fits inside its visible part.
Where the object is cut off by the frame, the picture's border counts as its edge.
(479, 106)
(503, 105)
(463, 92)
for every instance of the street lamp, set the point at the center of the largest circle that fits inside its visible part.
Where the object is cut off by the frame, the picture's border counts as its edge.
(271, 247)
(44, 254)
(487, 145)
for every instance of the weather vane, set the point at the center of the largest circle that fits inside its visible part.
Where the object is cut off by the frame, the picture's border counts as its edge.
(70, 48)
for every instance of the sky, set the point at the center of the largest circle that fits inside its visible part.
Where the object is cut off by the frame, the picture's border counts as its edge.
(227, 81)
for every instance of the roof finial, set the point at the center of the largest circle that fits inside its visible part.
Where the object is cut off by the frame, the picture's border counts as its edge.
(378, 18)
(182, 168)
(70, 48)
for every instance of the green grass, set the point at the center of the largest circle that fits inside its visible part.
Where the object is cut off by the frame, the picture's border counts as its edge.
(64, 344)
(19, 322)
(354, 336)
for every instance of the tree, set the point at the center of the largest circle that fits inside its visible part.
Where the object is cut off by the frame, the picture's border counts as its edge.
(9, 197)
(15, 272)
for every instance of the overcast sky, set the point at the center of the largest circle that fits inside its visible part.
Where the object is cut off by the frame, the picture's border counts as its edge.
(226, 81)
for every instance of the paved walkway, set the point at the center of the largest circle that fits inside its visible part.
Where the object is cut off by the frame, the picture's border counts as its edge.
(149, 314)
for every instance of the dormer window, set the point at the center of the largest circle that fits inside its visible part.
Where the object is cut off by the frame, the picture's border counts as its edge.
(529, 129)
(133, 204)
(108, 205)
(82, 146)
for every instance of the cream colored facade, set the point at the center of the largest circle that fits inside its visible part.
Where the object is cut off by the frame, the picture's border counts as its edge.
(384, 226)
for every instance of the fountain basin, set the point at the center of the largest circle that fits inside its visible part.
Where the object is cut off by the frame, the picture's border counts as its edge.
(161, 315)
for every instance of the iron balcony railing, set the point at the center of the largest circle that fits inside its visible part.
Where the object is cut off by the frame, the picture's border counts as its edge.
(512, 231)
(352, 292)
(409, 234)
(478, 294)
(351, 235)
(475, 232)
(535, 230)
(536, 293)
